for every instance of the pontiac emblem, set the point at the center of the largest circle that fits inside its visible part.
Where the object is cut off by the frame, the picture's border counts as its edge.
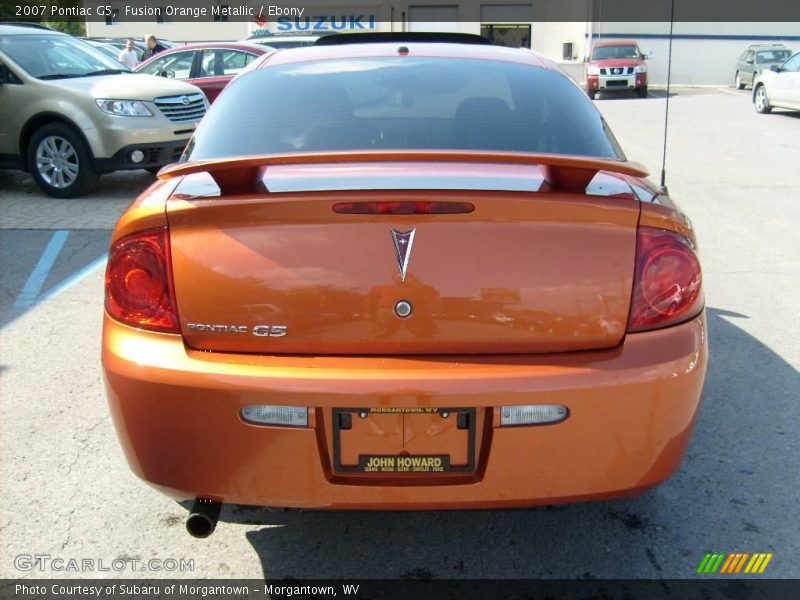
(402, 245)
(185, 100)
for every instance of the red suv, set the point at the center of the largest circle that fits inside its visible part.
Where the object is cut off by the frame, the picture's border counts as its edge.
(616, 65)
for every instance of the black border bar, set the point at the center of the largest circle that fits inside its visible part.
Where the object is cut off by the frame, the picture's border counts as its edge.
(402, 12)
(409, 588)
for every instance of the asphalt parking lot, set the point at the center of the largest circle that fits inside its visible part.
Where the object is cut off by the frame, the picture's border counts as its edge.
(67, 491)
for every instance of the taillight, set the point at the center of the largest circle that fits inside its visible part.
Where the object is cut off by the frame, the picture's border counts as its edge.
(667, 281)
(139, 288)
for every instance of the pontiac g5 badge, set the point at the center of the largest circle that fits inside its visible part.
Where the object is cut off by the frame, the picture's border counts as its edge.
(402, 245)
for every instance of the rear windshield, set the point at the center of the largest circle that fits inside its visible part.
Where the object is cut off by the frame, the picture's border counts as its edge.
(402, 103)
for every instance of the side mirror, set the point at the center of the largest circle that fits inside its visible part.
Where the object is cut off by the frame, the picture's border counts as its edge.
(776, 68)
(749, 61)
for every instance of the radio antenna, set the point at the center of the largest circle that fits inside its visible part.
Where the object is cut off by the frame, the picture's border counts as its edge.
(666, 111)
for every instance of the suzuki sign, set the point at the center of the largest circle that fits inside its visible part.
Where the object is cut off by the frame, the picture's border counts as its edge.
(325, 23)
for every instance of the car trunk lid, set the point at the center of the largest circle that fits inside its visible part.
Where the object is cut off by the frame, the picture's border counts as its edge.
(523, 272)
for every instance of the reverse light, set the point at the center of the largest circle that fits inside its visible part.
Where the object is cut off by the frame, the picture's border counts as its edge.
(269, 414)
(532, 414)
(139, 288)
(424, 207)
(124, 108)
(667, 281)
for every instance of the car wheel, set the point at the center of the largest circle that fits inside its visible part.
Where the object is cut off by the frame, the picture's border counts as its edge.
(738, 81)
(642, 92)
(762, 100)
(60, 162)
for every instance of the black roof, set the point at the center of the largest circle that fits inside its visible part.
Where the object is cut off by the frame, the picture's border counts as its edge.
(400, 37)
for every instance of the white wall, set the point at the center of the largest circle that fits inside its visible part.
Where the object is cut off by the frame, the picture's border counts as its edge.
(706, 61)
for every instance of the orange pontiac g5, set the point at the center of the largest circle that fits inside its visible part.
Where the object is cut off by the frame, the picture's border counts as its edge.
(399, 274)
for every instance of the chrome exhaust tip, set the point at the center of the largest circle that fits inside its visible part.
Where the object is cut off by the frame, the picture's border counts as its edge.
(202, 519)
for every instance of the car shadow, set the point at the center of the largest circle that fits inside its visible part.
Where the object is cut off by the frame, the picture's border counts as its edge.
(127, 184)
(780, 112)
(628, 95)
(727, 496)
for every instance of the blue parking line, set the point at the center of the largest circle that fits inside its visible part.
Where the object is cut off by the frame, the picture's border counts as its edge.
(74, 278)
(32, 287)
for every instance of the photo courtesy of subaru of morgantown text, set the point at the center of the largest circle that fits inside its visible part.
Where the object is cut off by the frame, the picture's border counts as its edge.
(438, 300)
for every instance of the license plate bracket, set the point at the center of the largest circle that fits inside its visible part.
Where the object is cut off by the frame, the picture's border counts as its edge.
(404, 441)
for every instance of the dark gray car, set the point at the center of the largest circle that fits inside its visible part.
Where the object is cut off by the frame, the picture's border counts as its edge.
(756, 59)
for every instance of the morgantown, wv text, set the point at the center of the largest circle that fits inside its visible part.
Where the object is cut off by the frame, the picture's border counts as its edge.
(181, 590)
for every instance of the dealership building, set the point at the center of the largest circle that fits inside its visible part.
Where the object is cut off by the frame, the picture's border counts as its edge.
(703, 53)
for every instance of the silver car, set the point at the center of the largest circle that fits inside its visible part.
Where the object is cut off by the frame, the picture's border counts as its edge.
(756, 59)
(779, 87)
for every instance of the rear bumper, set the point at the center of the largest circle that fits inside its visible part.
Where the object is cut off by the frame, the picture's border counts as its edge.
(632, 410)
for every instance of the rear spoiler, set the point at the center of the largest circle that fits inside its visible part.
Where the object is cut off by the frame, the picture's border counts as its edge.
(562, 172)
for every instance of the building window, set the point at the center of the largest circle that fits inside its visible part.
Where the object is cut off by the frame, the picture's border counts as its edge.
(442, 18)
(507, 24)
(161, 15)
(511, 36)
(568, 54)
(113, 18)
